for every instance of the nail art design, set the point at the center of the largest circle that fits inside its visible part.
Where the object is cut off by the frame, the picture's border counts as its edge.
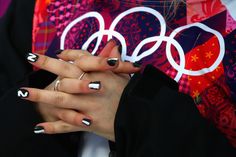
(22, 93)
(111, 40)
(86, 121)
(32, 57)
(39, 130)
(112, 61)
(95, 85)
(136, 64)
(57, 52)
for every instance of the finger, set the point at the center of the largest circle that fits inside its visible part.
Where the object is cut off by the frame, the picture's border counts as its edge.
(75, 118)
(70, 121)
(55, 66)
(55, 128)
(68, 85)
(123, 67)
(127, 68)
(71, 55)
(54, 98)
(108, 48)
(94, 63)
(115, 52)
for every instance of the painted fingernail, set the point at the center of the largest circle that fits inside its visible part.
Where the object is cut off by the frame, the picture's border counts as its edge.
(111, 40)
(112, 61)
(120, 49)
(57, 52)
(22, 93)
(137, 64)
(95, 85)
(39, 130)
(86, 121)
(32, 57)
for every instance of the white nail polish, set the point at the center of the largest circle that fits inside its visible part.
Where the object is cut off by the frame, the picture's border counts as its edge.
(22, 93)
(39, 130)
(86, 122)
(112, 61)
(95, 85)
(32, 57)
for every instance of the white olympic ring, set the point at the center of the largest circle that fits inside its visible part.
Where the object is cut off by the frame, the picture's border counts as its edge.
(158, 39)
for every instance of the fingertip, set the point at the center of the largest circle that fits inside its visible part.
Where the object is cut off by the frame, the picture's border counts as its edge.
(94, 85)
(113, 62)
(137, 64)
(39, 129)
(44, 128)
(23, 93)
(86, 122)
(32, 57)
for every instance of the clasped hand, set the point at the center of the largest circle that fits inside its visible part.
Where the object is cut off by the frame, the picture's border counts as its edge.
(87, 104)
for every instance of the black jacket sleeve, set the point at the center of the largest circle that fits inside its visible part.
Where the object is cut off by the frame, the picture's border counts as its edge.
(155, 120)
(18, 117)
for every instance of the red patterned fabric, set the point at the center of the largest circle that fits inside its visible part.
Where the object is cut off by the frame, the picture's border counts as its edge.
(209, 71)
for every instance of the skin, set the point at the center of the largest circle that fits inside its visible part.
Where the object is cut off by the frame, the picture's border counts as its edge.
(64, 110)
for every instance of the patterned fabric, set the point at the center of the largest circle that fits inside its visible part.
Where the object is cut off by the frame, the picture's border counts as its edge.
(3, 6)
(196, 47)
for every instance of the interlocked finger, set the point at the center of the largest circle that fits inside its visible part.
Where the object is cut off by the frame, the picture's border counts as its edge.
(54, 98)
(75, 86)
(56, 128)
(71, 55)
(58, 67)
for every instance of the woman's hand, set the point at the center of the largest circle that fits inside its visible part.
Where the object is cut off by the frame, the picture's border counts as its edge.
(93, 112)
(98, 107)
(87, 64)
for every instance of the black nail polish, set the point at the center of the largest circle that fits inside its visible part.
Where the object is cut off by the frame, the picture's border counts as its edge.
(39, 130)
(57, 52)
(120, 49)
(137, 64)
(31, 57)
(111, 40)
(22, 93)
(96, 85)
(86, 121)
(112, 61)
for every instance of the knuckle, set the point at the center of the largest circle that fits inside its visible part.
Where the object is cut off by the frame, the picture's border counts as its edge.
(58, 99)
(62, 115)
(64, 128)
(77, 62)
(82, 58)
(37, 96)
(66, 67)
(45, 62)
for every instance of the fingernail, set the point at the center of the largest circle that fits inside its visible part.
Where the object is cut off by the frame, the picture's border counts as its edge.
(95, 85)
(32, 57)
(86, 121)
(120, 49)
(111, 40)
(39, 130)
(57, 52)
(22, 93)
(112, 61)
(137, 64)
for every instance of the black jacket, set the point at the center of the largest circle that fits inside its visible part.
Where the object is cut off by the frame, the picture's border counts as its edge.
(153, 119)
